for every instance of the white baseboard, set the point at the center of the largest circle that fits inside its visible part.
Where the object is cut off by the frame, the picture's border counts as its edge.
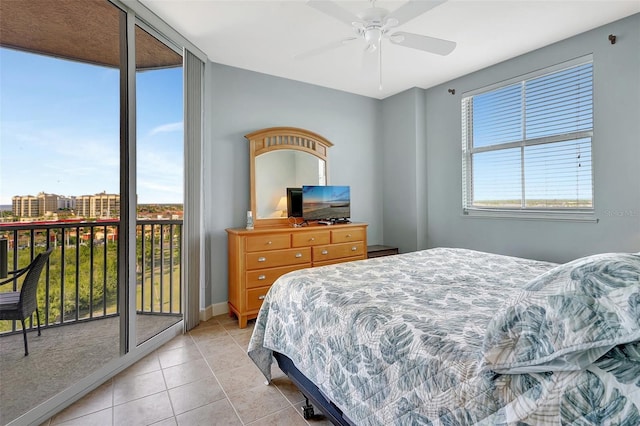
(214, 310)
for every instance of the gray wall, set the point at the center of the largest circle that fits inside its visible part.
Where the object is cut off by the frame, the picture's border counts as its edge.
(616, 156)
(403, 168)
(239, 102)
(402, 156)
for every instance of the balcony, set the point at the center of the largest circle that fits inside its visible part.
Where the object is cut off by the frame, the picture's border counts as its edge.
(77, 299)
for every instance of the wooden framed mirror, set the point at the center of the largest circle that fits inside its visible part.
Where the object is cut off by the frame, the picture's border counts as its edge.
(281, 158)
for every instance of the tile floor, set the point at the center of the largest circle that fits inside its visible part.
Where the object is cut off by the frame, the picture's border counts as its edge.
(202, 378)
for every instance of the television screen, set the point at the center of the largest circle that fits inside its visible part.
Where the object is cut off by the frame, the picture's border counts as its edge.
(326, 202)
(294, 202)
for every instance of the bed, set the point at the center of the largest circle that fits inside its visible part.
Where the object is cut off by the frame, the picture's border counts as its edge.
(454, 336)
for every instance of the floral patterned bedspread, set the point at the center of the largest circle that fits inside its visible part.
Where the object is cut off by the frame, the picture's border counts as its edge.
(399, 340)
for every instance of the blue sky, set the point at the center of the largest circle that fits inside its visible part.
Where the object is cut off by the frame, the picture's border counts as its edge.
(59, 129)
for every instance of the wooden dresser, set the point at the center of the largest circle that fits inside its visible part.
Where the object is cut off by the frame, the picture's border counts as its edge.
(258, 257)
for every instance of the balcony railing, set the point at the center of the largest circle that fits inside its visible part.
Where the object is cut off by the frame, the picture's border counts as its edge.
(80, 281)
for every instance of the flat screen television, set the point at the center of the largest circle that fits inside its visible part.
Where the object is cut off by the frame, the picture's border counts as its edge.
(328, 202)
(294, 202)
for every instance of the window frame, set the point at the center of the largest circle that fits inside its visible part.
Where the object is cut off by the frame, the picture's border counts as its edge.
(468, 150)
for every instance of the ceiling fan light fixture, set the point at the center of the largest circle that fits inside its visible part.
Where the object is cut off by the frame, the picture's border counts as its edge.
(373, 35)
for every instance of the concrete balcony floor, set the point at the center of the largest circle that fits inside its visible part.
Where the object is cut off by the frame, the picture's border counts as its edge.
(60, 357)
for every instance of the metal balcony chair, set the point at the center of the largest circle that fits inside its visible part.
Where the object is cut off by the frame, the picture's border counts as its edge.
(19, 305)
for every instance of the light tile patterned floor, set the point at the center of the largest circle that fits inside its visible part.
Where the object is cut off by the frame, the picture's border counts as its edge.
(202, 378)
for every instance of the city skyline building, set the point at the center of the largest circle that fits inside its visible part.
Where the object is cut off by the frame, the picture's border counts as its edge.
(100, 205)
(104, 206)
(25, 206)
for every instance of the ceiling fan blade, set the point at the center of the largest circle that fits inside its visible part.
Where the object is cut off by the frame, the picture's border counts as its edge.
(334, 10)
(420, 42)
(327, 47)
(412, 9)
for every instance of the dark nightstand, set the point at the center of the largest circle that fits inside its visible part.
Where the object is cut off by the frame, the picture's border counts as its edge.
(379, 251)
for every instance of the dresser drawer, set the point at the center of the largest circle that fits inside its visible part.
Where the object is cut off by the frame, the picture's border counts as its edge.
(336, 251)
(271, 259)
(255, 297)
(268, 242)
(305, 239)
(339, 260)
(347, 235)
(262, 277)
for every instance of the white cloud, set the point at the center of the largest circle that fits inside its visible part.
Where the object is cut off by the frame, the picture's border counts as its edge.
(165, 128)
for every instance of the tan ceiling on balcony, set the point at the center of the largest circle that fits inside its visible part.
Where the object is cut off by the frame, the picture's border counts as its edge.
(78, 30)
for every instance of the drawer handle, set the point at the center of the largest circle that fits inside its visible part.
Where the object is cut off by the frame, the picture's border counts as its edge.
(262, 259)
(262, 277)
(298, 255)
(354, 248)
(269, 243)
(348, 235)
(312, 239)
(261, 297)
(325, 251)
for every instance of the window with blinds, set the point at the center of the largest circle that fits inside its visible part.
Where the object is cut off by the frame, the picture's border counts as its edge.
(527, 143)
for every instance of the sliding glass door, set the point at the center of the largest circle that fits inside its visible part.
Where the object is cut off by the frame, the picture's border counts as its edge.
(91, 165)
(159, 184)
(60, 110)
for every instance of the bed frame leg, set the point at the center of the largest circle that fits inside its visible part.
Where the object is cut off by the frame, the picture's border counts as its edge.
(307, 409)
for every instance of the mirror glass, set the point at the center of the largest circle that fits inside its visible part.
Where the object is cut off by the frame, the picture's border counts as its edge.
(281, 169)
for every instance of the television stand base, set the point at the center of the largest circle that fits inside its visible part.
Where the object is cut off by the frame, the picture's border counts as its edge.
(333, 221)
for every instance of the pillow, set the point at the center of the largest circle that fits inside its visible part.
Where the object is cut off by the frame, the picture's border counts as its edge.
(568, 317)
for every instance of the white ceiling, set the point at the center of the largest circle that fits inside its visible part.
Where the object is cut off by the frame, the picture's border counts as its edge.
(265, 36)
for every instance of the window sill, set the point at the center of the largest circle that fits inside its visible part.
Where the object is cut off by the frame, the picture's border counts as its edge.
(588, 217)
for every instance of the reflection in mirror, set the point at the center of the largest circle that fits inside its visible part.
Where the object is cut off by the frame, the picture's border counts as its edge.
(281, 169)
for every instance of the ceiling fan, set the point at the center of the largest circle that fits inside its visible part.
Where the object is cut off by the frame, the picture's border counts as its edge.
(375, 24)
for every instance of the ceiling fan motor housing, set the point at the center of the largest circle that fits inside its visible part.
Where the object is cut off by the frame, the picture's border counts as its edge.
(372, 27)
(372, 17)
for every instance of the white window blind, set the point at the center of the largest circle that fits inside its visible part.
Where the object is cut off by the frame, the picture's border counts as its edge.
(527, 144)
